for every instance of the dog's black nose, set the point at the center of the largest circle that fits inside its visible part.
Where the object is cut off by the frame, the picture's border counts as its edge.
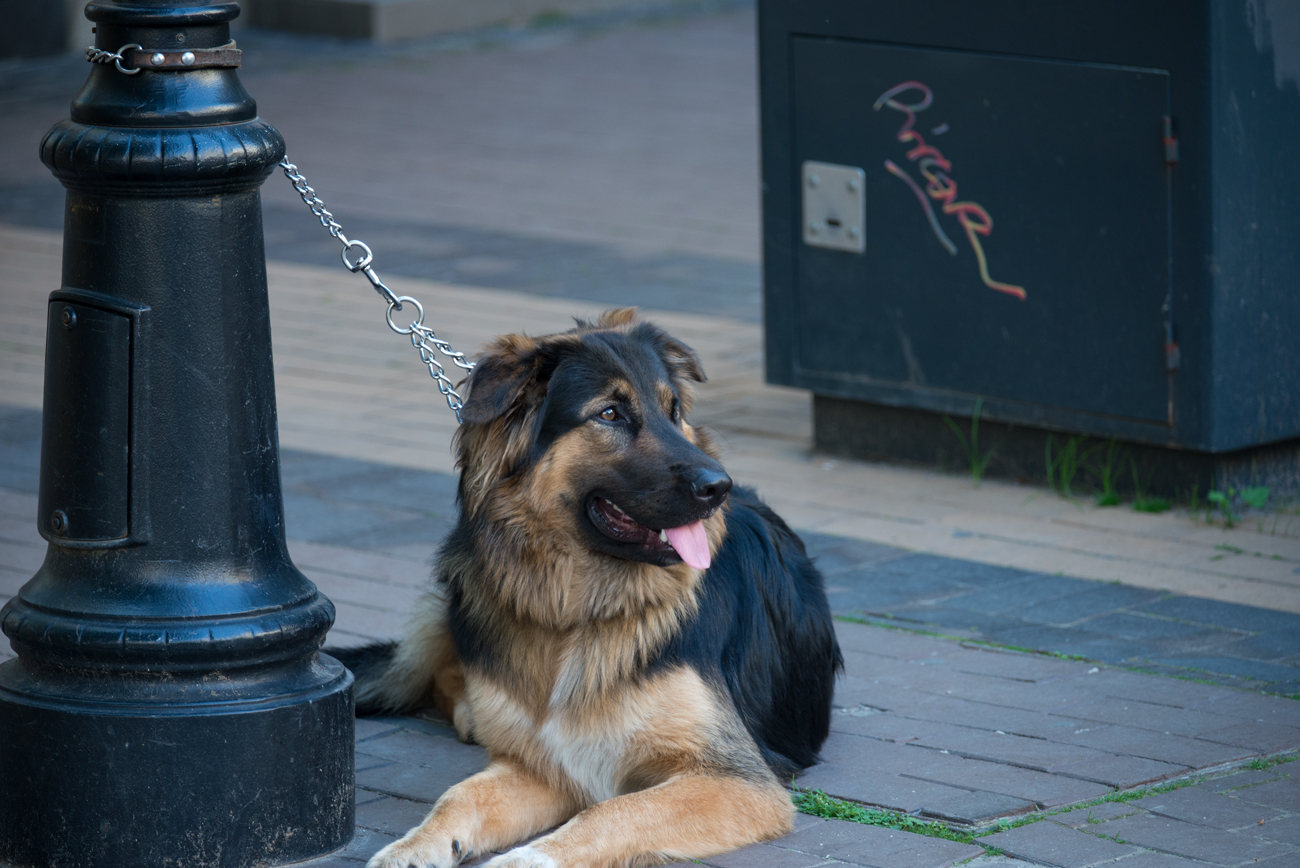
(710, 486)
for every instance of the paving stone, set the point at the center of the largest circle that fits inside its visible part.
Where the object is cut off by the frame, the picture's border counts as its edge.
(1152, 859)
(364, 844)
(1017, 665)
(1136, 626)
(331, 861)
(1239, 779)
(1273, 645)
(1032, 753)
(370, 728)
(977, 808)
(1267, 738)
(1234, 666)
(392, 815)
(874, 788)
(1142, 686)
(889, 643)
(1009, 596)
(1053, 844)
(1260, 707)
(1045, 790)
(954, 621)
(1193, 805)
(424, 750)
(1283, 794)
(1087, 604)
(1068, 640)
(833, 554)
(415, 766)
(1121, 772)
(769, 855)
(1082, 817)
(992, 718)
(868, 589)
(875, 846)
(1284, 829)
(969, 573)
(1221, 614)
(998, 862)
(1145, 715)
(1186, 839)
(1191, 753)
(1054, 697)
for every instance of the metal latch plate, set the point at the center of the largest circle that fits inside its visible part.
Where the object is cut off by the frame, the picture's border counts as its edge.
(834, 206)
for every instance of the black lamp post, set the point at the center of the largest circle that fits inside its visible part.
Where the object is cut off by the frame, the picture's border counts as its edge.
(168, 705)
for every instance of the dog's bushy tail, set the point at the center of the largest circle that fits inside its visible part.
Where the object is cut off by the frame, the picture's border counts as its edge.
(420, 671)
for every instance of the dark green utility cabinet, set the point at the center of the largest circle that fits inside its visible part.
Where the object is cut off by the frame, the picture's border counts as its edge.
(1086, 215)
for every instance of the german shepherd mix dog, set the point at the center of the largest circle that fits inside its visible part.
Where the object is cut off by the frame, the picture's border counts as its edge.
(645, 651)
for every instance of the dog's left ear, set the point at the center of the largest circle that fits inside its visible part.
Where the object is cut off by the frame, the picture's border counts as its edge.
(681, 358)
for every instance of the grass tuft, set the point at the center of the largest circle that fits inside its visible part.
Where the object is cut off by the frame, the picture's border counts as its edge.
(818, 804)
(978, 461)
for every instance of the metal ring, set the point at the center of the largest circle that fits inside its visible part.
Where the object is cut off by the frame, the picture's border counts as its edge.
(419, 318)
(366, 258)
(117, 59)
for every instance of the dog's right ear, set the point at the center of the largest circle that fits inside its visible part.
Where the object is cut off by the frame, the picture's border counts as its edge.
(499, 379)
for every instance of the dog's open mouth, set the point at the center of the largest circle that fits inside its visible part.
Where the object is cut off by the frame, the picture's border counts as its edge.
(688, 542)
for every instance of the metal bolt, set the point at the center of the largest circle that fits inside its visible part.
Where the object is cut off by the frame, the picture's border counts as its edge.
(180, 37)
(815, 227)
(59, 522)
(68, 317)
(158, 58)
(853, 232)
(188, 58)
(813, 180)
(853, 185)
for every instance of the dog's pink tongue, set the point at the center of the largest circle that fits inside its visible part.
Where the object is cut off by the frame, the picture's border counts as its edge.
(691, 543)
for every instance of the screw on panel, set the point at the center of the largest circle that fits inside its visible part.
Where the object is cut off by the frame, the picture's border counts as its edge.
(68, 317)
(813, 180)
(853, 185)
(815, 227)
(59, 522)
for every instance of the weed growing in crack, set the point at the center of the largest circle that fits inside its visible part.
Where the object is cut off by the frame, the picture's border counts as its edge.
(1141, 502)
(972, 446)
(1224, 503)
(1106, 470)
(818, 804)
(1066, 464)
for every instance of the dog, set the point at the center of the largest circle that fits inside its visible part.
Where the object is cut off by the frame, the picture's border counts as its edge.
(645, 651)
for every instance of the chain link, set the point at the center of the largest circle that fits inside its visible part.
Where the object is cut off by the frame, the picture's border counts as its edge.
(99, 55)
(422, 337)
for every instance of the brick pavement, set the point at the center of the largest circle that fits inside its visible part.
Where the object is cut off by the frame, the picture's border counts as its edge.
(570, 194)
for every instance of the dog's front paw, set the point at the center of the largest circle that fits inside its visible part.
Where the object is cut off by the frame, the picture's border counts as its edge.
(419, 851)
(523, 857)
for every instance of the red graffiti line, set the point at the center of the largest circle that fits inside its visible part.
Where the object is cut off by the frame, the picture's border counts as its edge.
(934, 167)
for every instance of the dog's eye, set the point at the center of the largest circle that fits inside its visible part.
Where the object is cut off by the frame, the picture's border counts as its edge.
(609, 414)
(677, 411)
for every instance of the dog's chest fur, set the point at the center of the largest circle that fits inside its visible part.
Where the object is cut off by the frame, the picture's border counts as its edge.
(624, 739)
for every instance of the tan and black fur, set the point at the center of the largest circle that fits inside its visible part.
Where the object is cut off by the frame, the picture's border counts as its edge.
(642, 709)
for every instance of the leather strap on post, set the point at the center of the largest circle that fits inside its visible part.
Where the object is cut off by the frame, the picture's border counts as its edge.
(189, 58)
(137, 58)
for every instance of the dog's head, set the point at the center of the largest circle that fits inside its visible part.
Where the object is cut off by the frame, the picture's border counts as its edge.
(584, 435)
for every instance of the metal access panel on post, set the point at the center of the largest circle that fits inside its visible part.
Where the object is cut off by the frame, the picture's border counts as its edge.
(1051, 196)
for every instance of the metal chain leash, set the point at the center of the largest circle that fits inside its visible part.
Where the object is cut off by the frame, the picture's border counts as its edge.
(422, 337)
(99, 55)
